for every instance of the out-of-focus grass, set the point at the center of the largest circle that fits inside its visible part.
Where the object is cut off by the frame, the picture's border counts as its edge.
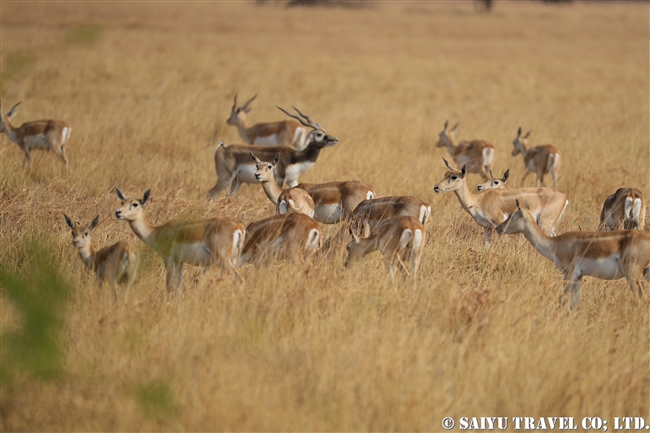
(330, 348)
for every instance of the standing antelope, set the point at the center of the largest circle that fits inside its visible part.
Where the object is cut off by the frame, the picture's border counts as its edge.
(198, 243)
(115, 264)
(494, 206)
(286, 201)
(540, 159)
(604, 255)
(476, 155)
(493, 182)
(282, 133)
(288, 236)
(382, 208)
(625, 209)
(399, 238)
(39, 134)
(234, 165)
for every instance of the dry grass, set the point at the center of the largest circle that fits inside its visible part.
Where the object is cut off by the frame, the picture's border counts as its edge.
(147, 89)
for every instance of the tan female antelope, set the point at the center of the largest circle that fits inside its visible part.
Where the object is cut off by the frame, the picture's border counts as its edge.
(282, 133)
(494, 183)
(382, 208)
(286, 201)
(625, 209)
(39, 134)
(399, 239)
(234, 165)
(293, 236)
(476, 155)
(198, 243)
(116, 264)
(604, 255)
(540, 159)
(494, 206)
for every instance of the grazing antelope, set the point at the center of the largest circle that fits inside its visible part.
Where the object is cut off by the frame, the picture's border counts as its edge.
(115, 264)
(494, 183)
(540, 159)
(39, 134)
(282, 133)
(288, 236)
(625, 209)
(494, 206)
(382, 208)
(604, 255)
(198, 243)
(399, 238)
(476, 155)
(286, 201)
(234, 165)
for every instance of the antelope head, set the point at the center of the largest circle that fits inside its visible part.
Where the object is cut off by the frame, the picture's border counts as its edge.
(81, 233)
(493, 182)
(318, 136)
(452, 181)
(130, 209)
(264, 170)
(520, 143)
(446, 136)
(237, 114)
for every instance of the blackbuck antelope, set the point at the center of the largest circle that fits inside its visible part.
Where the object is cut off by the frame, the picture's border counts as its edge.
(378, 209)
(234, 165)
(604, 255)
(540, 159)
(399, 239)
(625, 209)
(116, 264)
(282, 133)
(286, 201)
(39, 134)
(327, 203)
(493, 182)
(477, 155)
(198, 243)
(492, 207)
(293, 236)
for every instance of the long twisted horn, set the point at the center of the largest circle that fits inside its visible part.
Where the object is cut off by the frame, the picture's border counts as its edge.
(312, 124)
(243, 107)
(293, 116)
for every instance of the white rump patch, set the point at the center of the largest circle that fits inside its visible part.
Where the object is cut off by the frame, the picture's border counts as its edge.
(370, 195)
(65, 134)
(417, 239)
(282, 207)
(488, 156)
(313, 240)
(405, 239)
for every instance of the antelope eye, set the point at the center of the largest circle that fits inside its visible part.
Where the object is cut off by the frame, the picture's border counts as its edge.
(269, 166)
(453, 177)
(85, 233)
(135, 204)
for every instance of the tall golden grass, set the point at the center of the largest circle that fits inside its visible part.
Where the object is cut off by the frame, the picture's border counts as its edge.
(147, 88)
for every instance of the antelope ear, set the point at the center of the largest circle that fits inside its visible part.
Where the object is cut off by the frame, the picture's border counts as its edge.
(505, 175)
(447, 164)
(146, 196)
(277, 158)
(119, 194)
(95, 223)
(454, 128)
(519, 132)
(528, 134)
(11, 113)
(517, 203)
(446, 124)
(366, 229)
(463, 172)
(491, 174)
(355, 237)
(254, 158)
(69, 222)
(526, 206)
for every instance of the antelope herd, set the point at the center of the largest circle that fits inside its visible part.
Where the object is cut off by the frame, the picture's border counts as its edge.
(277, 153)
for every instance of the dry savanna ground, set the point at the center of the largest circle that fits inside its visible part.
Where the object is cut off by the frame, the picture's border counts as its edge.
(147, 88)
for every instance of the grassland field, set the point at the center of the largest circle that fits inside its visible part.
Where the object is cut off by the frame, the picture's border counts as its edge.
(147, 88)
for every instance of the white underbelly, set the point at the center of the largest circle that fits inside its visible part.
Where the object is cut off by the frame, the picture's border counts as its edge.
(192, 254)
(328, 214)
(606, 268)
(247, 173)
(37, 141)
(270, 140)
